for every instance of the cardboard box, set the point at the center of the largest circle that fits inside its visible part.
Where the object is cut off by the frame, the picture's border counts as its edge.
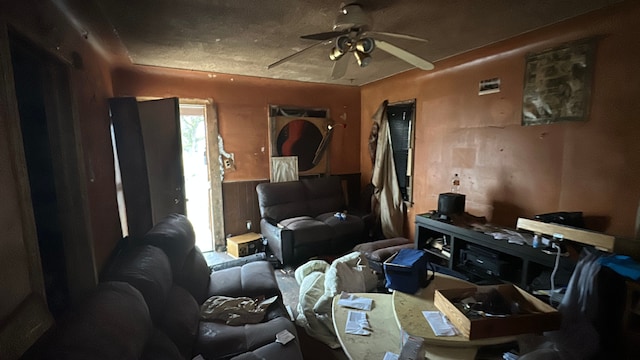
(533, 315)
(243, 245)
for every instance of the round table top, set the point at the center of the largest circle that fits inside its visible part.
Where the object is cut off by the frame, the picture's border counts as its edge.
(408, 314)
(385, 335)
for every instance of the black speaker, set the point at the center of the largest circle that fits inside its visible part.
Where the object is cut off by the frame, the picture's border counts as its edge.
(451, 203)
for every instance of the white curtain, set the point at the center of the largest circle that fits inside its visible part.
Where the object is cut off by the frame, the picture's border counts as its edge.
(389, 204)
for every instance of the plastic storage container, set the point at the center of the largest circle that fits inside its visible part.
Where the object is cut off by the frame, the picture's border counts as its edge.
(406, 271)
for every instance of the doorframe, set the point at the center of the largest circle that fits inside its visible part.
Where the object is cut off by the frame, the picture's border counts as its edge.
(215, 174)
(31, 318)
(216, 210)
(70, 172)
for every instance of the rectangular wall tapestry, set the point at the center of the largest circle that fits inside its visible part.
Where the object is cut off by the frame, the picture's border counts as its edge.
(557, 84)
(301, 133)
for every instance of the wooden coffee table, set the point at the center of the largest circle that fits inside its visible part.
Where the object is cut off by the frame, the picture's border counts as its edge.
(384, 337)
(408, 314)
(393, 312)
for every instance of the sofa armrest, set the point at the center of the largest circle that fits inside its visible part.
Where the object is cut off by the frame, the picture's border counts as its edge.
(279, 239)
(274, 222)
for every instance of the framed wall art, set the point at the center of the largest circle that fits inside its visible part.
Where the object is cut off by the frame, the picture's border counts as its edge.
(557, 84)
(300, 132)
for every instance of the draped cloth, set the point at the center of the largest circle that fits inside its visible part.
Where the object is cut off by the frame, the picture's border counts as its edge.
(387, 196)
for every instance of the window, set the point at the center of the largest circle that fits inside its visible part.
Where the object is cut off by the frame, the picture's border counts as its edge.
(401, 123)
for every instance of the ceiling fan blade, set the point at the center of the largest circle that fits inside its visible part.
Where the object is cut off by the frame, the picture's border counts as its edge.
(323, 35)
(294, 55)
(404, 55)
(396, 35)
(340, 67)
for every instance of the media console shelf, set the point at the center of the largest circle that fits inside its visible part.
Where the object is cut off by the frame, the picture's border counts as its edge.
(513, 263)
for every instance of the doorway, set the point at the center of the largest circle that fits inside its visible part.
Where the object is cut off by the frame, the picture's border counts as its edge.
(197, 182)
(149, 137)
(55, 169)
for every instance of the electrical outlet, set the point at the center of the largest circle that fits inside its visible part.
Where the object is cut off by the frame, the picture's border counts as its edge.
(228, 163)
(248, 224)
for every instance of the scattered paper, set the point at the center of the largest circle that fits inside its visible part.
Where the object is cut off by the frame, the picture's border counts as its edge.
(357, 323)
(390, 356)
(355, 302)
(510, 356)
(284, 337)
(440, 324)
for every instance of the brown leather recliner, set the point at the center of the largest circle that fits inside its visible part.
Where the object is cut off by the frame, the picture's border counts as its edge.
(171, 276)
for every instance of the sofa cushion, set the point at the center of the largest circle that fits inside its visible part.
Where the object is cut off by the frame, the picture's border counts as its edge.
(351, 225)
(147, 268)
(308, 230)
(323, 195)
(174, 234)
(252, 280)
(216, 340)
(160, 347)
(113, 323)
(283, 200)
(194, 275)
(273, 350)
(180, 319)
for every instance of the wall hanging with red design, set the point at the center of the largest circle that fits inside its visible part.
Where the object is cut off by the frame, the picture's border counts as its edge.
(303, 133)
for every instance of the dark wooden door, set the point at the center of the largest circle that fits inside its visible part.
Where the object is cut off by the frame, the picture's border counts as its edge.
(149, 148)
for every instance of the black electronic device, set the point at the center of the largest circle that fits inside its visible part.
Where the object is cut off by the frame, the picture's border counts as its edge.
(570, 218)
(485, 260)
(451, 203)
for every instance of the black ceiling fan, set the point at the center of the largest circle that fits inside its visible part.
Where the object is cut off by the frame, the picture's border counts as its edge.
(352, 34)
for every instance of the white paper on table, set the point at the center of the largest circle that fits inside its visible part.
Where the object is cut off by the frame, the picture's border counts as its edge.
(355, 302)
(440, 324)
(357, 323)
(390, 356)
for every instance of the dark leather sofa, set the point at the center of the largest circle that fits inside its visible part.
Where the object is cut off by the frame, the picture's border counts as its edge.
(148, 307)
(298, 219)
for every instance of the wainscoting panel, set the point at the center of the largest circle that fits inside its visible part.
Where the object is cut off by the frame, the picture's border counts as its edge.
(241, 205)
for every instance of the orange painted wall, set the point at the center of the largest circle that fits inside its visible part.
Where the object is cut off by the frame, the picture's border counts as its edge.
(507, 170)
(243, 104)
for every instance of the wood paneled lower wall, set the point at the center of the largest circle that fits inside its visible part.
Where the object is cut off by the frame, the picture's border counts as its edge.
(241, 203)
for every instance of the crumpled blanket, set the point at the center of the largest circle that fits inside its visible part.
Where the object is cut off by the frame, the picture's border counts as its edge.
(319, 282)
(235, 310)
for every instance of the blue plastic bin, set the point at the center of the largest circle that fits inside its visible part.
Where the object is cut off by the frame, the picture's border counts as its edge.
(406, 271)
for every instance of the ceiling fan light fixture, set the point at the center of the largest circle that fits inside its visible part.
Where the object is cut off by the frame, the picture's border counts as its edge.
(335, 54)
(363, 59)
(343, 43)
(366, 45)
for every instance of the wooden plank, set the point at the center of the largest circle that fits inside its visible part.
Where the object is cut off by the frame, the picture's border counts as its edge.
(599, 240)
